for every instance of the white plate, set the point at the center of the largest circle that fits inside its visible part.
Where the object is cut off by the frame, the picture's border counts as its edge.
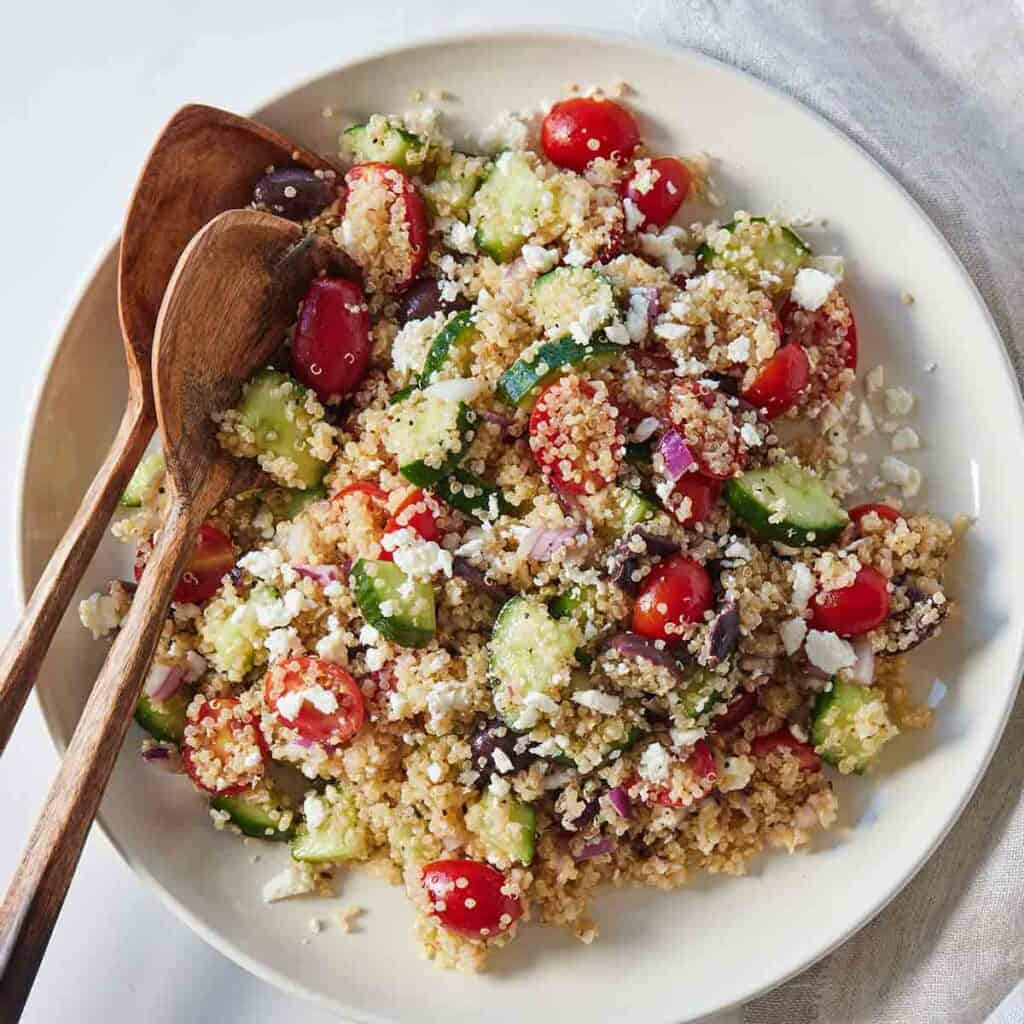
(659, 958)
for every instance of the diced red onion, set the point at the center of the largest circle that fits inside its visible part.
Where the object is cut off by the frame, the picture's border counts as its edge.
(619, 799)
(323, 574)
(549, 542)
(862, 671)
(163, 681)
(678, 457)
(632, 645)
(598, 849)
(498, 419)
(164, 758)
(465, 570)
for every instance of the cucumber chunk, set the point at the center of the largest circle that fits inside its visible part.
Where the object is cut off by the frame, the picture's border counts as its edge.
(451, 350)
(257, 814)
(469, 494)
(636, 507)
(560, 295)
(505, 207)
(341, 836)
(397, 607)
(233, 637)
(381, 140)
(850, 725)
(575, 603)
(164, 720)
(700, 693)
(809, 514)
(519, 384)
(455, 184)
(272, 408)
(293, 501)
(428, 435)
(531, 653)
(506, 826)
(758, 245)
(146, 478)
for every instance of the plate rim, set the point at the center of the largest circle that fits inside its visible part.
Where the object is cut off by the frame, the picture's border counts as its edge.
(483, 37)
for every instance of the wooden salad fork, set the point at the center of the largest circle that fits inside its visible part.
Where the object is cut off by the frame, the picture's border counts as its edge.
(205, 161)
(227, 308)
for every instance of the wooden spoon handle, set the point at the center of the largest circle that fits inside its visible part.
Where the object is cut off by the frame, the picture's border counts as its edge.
(31, 639)
(41, 881)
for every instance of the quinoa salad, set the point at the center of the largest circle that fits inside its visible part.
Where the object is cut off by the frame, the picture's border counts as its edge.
(566, 569)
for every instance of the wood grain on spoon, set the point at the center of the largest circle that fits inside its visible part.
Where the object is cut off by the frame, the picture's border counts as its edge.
(204, 162)
(227, 307)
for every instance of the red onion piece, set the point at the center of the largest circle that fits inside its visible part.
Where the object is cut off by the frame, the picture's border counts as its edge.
(678, 457)
(506, 423)
(632, 645)
(598, 849)
(323, 574)
(549, 542)
(619, 799)
(862, 672)
(163, 681)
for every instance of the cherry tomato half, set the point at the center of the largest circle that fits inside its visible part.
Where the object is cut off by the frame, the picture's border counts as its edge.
(332, 340)
(466, 897)
(677, 592)
(701, 763)
(703, 493)
(211, 559)
(367, 184)
(578, 130)
(779, 384)
(222, 749)
(883, 511)
(418, 513)
(784, 740)
(341, 713)
(853, 610)
(659, 190)
(704, 418)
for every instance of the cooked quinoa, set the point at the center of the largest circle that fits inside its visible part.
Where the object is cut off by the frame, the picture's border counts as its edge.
(535, 598)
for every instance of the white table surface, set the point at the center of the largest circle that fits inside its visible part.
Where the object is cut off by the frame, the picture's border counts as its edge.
(83, 90)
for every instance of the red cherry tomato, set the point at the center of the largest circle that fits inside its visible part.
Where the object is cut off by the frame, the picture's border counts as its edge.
(780, 382)
(887, 512)
(211, 559)
(852, 347)
(705, 420)
(332, 340)
(364, 487)
(575, 436)
(702, 763)
(784, 740)
(703, 493)
(330, 727)
(855, 609)
(222, 749)
(658, 200)
(364, 182)
(579, 130)
(736, 711)
(418, 513)
(466, 897)
(677, 592)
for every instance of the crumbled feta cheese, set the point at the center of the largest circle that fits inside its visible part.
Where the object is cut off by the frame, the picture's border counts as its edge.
(617, 334)
(462, 238)
(828, 652)
(445, 697)
(670, 331)
(898, 401)
(502, 761)
(905, 476)
(289, 705)
(812, 287)
(602, 703)
(575, 256)
(99, 615)
(740, 551)
(637, 318)
(874, 379)
(684, 739)
(537, 258)
(793, 632)
(739, 349)
(905, 439)
(645, 429)
(435, 772)
(296, 880)
(590, 318)
(410, 346)
(803, 585)
(751, 435)
(332, 647)
(865, 420)
(315, 810)
(663, 249)
(422, 559)
(264, 564)
(634, 215)
(655, 763)
(281, 643)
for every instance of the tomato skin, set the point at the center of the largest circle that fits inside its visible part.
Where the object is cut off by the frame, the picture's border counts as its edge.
(570, 124)
(332, 728)
(735, 712)
(785, 740)
(703, 492)
(212, 558)
(883, 511)
(683, 587)
(702, 763)
(853, 610)
(852, 345)
(662, 200)
(778, 386)
(422, 522)
(232, 731)
(331, 350)
(372, 490)
(483, 887)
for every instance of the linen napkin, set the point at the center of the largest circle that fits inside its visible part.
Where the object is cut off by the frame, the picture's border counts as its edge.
(935, 92)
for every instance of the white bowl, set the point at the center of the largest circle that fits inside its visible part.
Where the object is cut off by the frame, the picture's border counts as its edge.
(659, 958)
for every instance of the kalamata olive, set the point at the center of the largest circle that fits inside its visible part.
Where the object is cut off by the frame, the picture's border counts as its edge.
(723, 635)
(489, 736)
(726, 384)
(293, 193)
(423, 299)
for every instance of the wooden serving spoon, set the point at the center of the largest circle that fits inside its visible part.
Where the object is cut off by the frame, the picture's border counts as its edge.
(227, 307)
(205, 161)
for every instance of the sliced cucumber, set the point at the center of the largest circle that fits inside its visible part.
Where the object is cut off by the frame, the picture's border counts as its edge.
(575, 603)
(397, 607)
(505, 207)
(635, 507)
(788, 504)
(455, 184)
(428, 435)
(472, 496)
(272, 407)
(288, 502)
(451, 350)
(148, 474)
(402, 394)
(519, 384)
(560, 295)
(164, 720)
(341, 836)
(700, 693)
(232, 636)
(257, 814)
(850, 725)
(531, 653)
(380, 140)
(506, 826)
(758, 245)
